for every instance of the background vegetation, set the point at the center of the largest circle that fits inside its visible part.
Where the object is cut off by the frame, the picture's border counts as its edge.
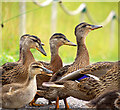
(39, 23)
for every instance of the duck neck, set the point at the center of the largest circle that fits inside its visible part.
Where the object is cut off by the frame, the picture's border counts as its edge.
(31, 82)
(26, 57)
(82, 52)
(55, 58)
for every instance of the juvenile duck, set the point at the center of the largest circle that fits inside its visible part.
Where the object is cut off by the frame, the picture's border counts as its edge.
(17, 95)
(109, 100)
(13, 72)
(56, 41)
(87, 88)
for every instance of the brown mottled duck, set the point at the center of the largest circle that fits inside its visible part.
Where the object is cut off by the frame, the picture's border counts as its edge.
(109, 100)
(13, 72)
(82, 57)
(87, 88)
(56, 41)
(17, 95)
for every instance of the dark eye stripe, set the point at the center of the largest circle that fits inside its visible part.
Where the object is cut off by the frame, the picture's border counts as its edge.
(35, 40)
(61, 37)
(36, 67)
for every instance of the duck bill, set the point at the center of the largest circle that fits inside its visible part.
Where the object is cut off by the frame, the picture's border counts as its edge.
(47, 72)
(51, 84)
(70, 43)
(93, 27)
(40, 48)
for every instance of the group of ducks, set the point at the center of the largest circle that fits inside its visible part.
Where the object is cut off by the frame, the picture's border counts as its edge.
(27, 80)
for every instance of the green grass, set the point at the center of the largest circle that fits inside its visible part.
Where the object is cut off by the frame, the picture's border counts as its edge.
(39, 23)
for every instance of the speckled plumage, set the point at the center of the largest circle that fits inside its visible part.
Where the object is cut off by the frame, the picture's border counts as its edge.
(89, 88)
(13, 72)
(109, 100)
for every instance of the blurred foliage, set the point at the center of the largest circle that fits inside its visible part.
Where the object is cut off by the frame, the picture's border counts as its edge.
(39, 23)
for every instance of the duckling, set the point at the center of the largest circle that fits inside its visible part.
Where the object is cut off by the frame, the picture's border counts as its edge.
(87, 88)
(13, 72)
(82, 57)
(110, 100)
(56, 41)
(17, 95)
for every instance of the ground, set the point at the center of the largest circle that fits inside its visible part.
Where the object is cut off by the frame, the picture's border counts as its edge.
(73, 103)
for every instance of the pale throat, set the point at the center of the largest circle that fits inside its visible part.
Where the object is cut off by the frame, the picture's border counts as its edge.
(81, 48)
(54, 52)
(53, 49)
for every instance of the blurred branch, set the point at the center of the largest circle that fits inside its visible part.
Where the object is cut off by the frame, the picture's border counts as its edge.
(46, 3)
(78, 10)
(22, 22)
(112, 30)
(110, 17)
(106, 21)
(53, 16)
(82, 8)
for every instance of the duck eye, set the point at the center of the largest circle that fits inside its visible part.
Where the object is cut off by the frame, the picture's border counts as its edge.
(64, 38)
(84, 26)
(59, 37)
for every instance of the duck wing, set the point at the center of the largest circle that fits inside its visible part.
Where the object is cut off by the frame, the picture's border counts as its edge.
(97, 69)
(8, 66)
(9, 71)
(60, 73)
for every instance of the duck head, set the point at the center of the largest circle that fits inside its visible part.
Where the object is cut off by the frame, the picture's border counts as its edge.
(31, 41)
(59, 39)
(84, 28)
(37, 68)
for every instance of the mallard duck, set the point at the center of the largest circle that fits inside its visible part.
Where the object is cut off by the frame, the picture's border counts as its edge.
(17, 95)
(56, 41)
(18, 71)
(109, 100)
(82, 57)
(87, 88)
(97, 69)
